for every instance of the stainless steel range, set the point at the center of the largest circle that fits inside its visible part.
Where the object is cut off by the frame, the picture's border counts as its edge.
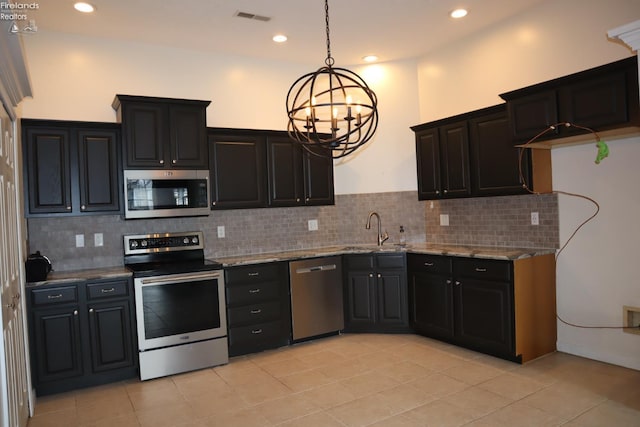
(180, 303)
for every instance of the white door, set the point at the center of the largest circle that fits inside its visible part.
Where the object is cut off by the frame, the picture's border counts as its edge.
(14, 388)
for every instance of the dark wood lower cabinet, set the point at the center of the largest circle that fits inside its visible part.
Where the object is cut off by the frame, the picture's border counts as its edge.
(81, 334)
(499, 307)
(376, 293)
(258, 307)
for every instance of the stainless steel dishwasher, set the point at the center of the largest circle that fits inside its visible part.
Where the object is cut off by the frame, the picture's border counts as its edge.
(316, 296)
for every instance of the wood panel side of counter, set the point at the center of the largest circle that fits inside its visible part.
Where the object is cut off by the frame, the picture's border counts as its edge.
(535, 306)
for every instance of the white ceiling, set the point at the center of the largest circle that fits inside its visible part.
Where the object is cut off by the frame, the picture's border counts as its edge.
(392, 29)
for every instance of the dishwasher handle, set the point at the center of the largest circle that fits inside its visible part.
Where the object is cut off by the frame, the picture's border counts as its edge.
(326, 267)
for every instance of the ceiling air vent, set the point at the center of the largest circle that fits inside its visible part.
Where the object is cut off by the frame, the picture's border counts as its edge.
(252, 16)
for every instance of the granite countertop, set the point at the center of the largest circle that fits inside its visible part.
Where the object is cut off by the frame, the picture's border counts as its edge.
(489, 252)
(81, 275)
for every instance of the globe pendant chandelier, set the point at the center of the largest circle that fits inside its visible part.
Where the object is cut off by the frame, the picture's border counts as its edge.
(332, 111)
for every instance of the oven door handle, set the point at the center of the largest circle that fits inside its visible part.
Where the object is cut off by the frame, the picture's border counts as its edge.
(181, 278)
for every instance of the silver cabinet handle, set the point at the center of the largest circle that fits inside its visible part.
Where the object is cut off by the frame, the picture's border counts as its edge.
(162, 162)
(437, 191)
(75, 312)
(256, 331)
(254, 291)
(457, 283)
(68, 208)
(448, 282)
(428, 264)
(370, 274)
(258, 311)
(83, 207)
(54, 296)
(379, 275)
(106, 291)
(174, 161)
(213, 203)
(254, 274)
(481, 270)
(91, 310)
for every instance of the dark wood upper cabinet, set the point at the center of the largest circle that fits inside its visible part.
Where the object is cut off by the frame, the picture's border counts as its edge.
(471, 154)
(495, 162)
(237, 167)
(98, 170)
(297, 177)
(47, 169)
(71, 168)
(162, 132)
(602, 98)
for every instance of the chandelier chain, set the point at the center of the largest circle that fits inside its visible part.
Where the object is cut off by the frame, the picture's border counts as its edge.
(329, 61)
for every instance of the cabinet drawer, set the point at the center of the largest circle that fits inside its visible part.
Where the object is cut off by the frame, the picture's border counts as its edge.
(360, 262)
(252, 274)
(59, 295)
(252, 293)
(483, 268)
(430, 264)
(390, 261)
(254, 314)
(257, 335)
(107, 290)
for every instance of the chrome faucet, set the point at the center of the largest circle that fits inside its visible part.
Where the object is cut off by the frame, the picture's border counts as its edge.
(381, 237)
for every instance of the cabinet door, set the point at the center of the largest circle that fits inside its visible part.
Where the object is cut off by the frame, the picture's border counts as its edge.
(495, 162)
(58, 350)
(99, 170)
(454, 157)
(237, 168)
(188, 139)
(392, 299)
(529, 115)
(360, 304)
(428, 163)
(284, 169)
(484, 315)
(431, 304)
(110, 335)
(144, 127)
(318, 179)
(595, 103)
(48, 167)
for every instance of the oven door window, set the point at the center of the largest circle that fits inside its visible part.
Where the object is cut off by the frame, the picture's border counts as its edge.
(180, 308)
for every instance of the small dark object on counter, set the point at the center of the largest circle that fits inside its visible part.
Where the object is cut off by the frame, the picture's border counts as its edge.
(37, 267)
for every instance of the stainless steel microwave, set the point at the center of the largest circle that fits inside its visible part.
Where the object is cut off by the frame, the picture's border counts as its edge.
(166, 193)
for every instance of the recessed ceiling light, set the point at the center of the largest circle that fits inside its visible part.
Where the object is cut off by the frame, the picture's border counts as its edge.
(458, 13)
(84, 7)
(279, 38)
(370, 58)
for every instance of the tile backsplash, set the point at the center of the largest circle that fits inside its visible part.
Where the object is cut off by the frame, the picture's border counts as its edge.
(495, 221)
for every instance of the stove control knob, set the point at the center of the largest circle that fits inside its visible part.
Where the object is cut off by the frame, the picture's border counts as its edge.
(185, 240)
(143, 243)
(194, 240)
(134, 244)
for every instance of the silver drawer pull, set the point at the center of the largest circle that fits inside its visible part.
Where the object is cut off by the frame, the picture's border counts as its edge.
(255, 274)
(54, 296)
(106, 291)
(258, 311)
(256, 331)
(428, 264)
(254, 291)
(481, 270)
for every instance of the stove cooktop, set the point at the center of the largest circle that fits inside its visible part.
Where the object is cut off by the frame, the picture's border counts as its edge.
(147, 269)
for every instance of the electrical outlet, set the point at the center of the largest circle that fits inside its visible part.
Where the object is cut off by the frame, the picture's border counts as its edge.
(221, 232)
(79, 240)
(313, 225)
(535, 219)
(444, 220)
(98, 240)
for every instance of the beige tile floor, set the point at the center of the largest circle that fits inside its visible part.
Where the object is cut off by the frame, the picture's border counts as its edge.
(363, 380)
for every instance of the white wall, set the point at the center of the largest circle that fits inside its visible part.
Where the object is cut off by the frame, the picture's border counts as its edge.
(76, 79)
(595, 274)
